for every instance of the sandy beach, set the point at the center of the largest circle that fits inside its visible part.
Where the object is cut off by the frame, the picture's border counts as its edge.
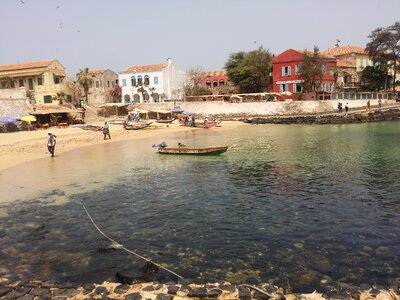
(23, 146)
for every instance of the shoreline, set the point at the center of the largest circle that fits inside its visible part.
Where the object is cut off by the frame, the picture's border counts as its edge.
(183, 289)
(24, 146)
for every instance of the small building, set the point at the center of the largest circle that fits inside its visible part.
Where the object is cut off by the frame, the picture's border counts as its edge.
(151, 83)
(351, 61)
(286, 73)
(42, 79)
(213, 80)
(104, 82)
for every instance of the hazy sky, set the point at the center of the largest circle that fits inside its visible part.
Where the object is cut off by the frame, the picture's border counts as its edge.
(115, 34)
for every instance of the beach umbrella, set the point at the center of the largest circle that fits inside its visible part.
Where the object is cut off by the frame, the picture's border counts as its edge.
(28, 119)
(8, 120)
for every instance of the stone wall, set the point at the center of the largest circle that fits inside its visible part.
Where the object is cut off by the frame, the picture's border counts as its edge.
(13, 103)
(248, 109)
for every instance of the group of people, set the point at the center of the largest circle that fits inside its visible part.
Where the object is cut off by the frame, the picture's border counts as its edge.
(340, 107)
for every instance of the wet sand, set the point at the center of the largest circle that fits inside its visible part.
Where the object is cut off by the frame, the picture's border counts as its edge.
(27, 169)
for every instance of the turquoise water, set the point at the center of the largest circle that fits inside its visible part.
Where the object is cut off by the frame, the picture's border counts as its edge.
(303, 207)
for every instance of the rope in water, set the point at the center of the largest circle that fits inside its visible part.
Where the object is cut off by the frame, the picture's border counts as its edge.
(119, 246)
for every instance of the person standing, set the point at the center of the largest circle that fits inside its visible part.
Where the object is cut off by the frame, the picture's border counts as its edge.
(51, 143)
(346, 107)
(368, 106)
(106, 131)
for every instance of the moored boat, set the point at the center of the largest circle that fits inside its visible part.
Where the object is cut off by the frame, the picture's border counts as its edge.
(193, 151)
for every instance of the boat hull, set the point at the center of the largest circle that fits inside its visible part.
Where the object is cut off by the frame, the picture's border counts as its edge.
(193, 151)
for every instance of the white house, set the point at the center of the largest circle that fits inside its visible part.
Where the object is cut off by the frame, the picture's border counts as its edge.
(151, 83)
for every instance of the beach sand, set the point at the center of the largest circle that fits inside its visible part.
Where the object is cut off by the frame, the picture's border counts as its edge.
(27, 168)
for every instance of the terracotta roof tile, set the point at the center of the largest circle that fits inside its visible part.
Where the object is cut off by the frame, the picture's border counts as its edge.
(215, 73)
(146, 68)
(345, 50)
(26, 65)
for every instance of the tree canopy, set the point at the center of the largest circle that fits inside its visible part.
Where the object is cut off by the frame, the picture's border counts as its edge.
(312, 69)
(250, 71)
(384, 49)
(194, 87)
(375, 78)
(85, 79)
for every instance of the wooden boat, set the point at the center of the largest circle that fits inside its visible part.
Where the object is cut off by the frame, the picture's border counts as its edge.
(165, 121)
(193, 151)
(134, 127)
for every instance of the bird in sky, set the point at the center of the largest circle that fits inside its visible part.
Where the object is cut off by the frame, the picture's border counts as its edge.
(22, 2)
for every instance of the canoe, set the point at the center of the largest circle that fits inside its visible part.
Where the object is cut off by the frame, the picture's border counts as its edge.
(193, 151)
(165, 121)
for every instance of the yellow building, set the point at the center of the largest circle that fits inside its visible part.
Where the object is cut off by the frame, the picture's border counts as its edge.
(44, 79)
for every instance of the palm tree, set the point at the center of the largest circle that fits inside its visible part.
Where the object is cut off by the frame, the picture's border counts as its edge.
(61, 97)
(85, 79)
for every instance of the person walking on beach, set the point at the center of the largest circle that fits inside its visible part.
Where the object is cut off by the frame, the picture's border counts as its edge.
(106, 131)
(51, 143)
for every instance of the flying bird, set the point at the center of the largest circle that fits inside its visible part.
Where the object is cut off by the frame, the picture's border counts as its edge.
(254, 42)
(22, 2)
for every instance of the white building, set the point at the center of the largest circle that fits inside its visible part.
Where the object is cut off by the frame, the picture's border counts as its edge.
(151, 83)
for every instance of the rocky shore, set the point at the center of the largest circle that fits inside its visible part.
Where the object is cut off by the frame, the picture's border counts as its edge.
(184, 289)
(360, 117)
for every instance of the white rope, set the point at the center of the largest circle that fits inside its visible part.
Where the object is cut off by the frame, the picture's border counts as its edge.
(119, 246)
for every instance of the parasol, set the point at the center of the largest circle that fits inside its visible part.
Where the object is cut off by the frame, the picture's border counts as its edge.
(28, 119)
(7, 120)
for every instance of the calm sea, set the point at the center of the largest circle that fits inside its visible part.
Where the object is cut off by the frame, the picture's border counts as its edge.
(303, 207)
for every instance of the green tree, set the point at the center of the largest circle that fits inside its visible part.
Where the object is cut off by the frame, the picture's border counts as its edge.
(61, 97)
(375, 78)
(384, 49)
(85, 79)
(312, 70)
(250, 71)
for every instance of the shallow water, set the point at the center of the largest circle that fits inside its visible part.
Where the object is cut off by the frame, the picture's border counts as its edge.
(303, 207)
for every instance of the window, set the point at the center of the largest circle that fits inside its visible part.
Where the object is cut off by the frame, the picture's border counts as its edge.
(21, 82)
(127, 98)
(56, 80)
(323, 87)
(215, 83)
(40, 81)
(208, 83)
(146, 80)
(133, 81)
(47, 99)
(146, 97)
(155, 79)
(108, 83)
(139, 80)
(123, 82)
(297, 69)
(283, 88)
(331, 71)
(30, 83)
(286, 71)
(332, 87)
(297, 88)
(221, 82)
(97, 84)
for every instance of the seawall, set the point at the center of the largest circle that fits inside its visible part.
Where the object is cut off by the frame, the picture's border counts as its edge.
(389, 114)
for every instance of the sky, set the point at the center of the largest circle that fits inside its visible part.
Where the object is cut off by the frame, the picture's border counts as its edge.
(115, 34)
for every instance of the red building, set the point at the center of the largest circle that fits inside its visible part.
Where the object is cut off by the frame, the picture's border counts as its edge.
(285, 73)
(214, 79)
